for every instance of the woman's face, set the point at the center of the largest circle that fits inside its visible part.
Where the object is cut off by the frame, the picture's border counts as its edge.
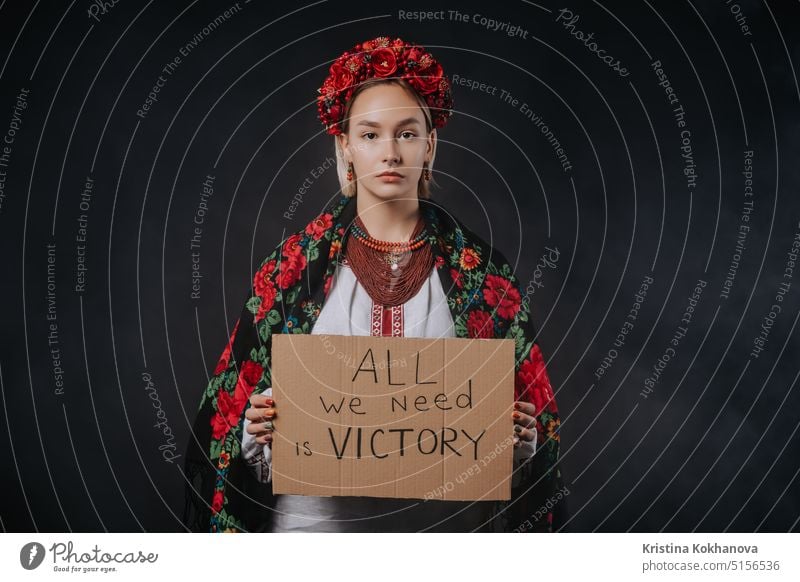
(387, 134)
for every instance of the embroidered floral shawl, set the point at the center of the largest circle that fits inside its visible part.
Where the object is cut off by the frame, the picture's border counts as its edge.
(287, 295)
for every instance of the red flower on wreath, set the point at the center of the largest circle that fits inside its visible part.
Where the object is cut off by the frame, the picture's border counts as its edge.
(381, 58)
(225, 359)
(533, 384)
(499, 292)
(319, 225)
(427, 80)
(480, 324)
(383, 62)
(341, 76)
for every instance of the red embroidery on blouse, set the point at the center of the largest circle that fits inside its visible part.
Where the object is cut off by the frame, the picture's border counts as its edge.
(387, 321)
(376, 320)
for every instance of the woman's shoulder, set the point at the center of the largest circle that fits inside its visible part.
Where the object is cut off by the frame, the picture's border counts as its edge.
(317, 230)
(474, 247)
(301, 246)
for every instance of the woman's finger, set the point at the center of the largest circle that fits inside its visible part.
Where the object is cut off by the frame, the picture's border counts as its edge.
(261, 400)
(256, 428)
(260, 414)
(525, 407)
(260, 427)
(266, 439)
(523, 419)
(524, 434)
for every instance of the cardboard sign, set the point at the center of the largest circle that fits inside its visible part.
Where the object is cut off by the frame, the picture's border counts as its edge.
(412, 418)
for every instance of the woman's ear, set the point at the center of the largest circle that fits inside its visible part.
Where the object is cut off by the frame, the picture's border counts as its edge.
(343, 143)
(431, 149)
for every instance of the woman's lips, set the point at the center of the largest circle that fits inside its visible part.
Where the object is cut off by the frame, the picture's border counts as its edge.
(390, 178)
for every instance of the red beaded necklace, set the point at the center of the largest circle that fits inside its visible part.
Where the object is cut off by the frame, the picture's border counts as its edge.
(390, 271)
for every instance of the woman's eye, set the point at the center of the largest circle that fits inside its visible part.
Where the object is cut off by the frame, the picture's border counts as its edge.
(370, 135)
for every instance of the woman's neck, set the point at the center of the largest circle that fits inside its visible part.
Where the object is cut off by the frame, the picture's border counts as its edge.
(389, 220)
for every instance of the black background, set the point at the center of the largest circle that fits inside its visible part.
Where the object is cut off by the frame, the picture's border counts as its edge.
(713, 448)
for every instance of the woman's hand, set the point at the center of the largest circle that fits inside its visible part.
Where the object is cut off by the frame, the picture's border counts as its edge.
(524, 422)
(261, 414)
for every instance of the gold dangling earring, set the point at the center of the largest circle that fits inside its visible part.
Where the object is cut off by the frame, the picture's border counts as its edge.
(350, 172)
(426, 173)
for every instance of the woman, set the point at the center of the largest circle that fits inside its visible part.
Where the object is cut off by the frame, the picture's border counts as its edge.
(382, 259)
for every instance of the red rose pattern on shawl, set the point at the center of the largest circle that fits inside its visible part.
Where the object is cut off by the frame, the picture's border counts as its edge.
(290, 271)
(265, 288)
(294, 261)
(485, 303)
(480, 324)
(317, 227)
(456, 277)
(231, 408)
(226, 355)
(501, 294)
(217, 501)
(225, 417)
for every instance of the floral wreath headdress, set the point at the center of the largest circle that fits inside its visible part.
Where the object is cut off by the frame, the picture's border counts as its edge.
(384, 57)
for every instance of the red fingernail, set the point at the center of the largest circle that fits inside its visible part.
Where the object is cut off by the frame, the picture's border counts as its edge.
(270, 401)
(517, 405)
(515, 415)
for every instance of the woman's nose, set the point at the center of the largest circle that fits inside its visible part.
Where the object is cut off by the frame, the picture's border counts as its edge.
(390, 151)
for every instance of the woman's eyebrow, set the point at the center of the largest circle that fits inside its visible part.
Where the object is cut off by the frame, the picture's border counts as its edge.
(406, 121)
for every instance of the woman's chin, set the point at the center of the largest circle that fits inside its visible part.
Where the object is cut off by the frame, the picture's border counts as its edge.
(392, 191)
